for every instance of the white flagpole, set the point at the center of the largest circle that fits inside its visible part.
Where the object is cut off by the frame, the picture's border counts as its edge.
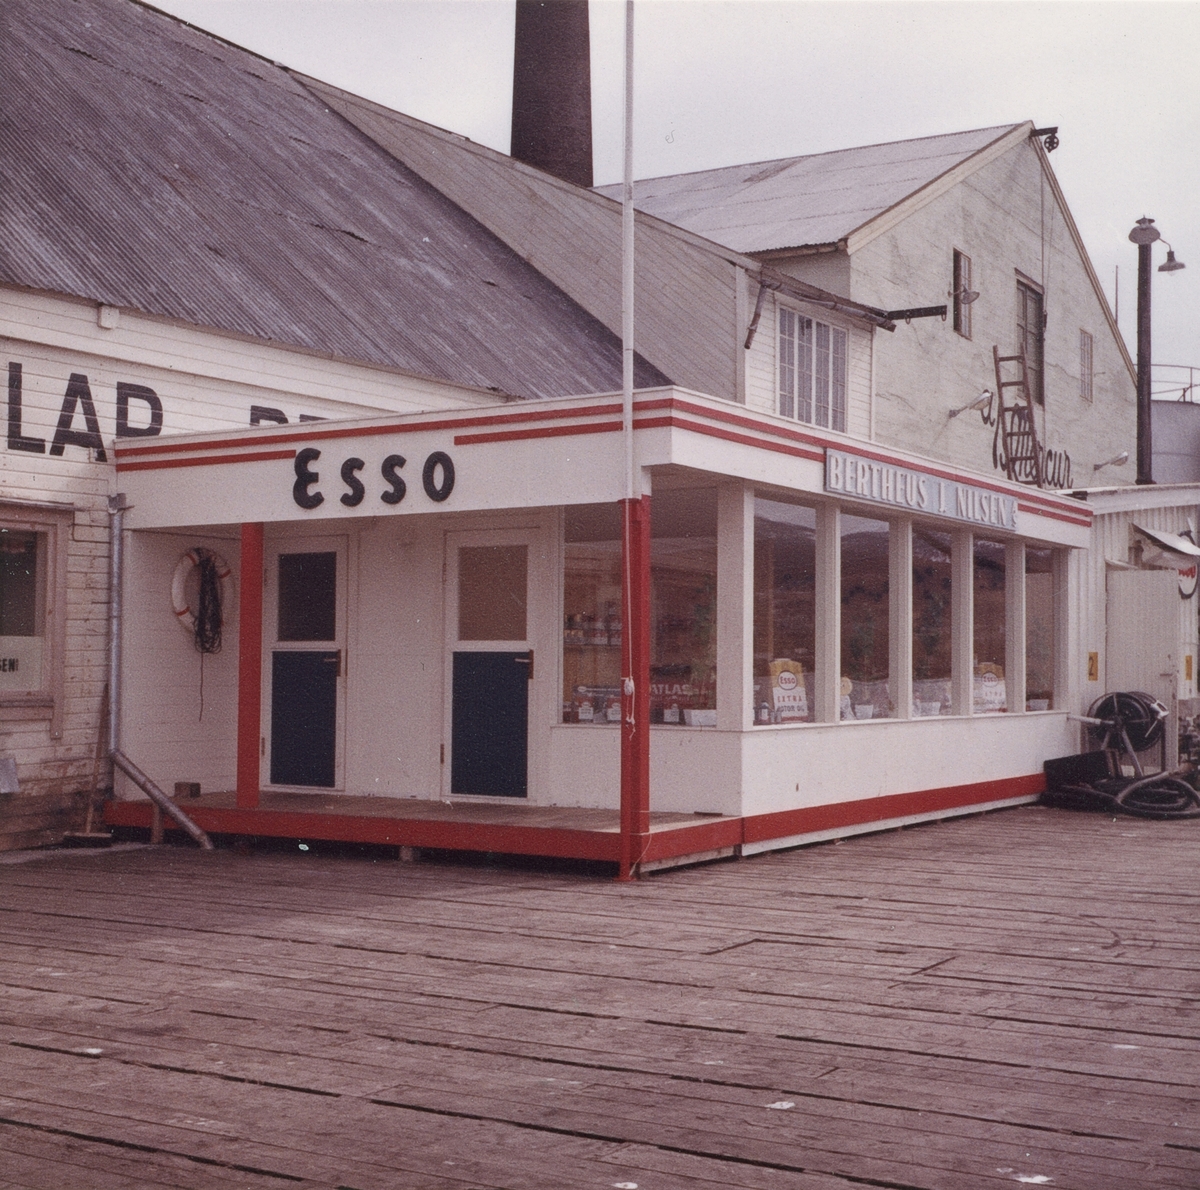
(631, 484)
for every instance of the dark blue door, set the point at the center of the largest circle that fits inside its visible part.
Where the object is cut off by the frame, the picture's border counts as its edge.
(489, 732)
(304, 717)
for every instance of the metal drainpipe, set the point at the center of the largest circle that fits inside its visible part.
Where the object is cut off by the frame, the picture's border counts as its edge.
(116, 510)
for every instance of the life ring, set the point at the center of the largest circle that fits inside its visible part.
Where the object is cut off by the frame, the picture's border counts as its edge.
(185, 615)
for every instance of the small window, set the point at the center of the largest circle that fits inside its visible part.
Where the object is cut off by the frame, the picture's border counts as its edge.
(1085, 365)
(812, 371)
(961, 287)
(1031, 333)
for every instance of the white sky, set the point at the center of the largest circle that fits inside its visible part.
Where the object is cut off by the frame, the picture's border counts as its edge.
(725, 81)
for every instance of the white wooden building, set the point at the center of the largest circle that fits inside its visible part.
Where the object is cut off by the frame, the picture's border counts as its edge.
(853, 614)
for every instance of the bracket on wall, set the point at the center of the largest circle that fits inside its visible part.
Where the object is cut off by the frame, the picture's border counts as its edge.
(1049, 137)
(918, 312)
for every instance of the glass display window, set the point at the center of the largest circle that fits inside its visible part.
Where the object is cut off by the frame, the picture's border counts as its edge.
(784, 612)
(990, 618)
(865, 646)
(683, 611)
(1040, 643)
(932, 636)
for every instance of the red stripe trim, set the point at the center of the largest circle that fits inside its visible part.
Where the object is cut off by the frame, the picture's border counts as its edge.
(602, 427)
(679, 423)
(214, 460)
(445, 423)
(670, 843)
(761, 828)
(1057, 516)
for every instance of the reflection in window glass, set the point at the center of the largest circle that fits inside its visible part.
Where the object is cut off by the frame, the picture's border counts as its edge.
(683, 608)
(22, 609)
(683, 611)
(784, 612)
(931, 622)
(592, 615)
(1039, 629)
(989, 578)
(865, 647)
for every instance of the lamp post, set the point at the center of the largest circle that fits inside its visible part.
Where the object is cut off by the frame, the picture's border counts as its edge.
(1143, 235)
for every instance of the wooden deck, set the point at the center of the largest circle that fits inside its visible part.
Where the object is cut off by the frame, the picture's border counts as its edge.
(487, 825)
(990, 1001)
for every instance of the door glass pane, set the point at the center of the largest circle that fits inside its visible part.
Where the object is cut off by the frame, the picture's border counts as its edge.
(931, 622)
(308, 596)
(784, 611)
(492, 592)
(865, 646)
(1039, 629)
(990, 694)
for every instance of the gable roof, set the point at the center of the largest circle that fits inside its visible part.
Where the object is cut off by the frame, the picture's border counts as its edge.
(797, 202)
(151, 166)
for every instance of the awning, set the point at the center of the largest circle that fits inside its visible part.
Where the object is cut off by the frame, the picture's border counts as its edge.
(1171, 541)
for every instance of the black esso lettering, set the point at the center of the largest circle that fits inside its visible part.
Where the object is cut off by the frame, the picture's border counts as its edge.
(390, 471)
(353, 497)
(306, 478)
(439, 458)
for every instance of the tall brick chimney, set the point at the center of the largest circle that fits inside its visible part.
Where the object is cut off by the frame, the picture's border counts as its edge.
(552, 89)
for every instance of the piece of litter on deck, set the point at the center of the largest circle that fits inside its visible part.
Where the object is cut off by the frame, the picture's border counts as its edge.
(1127, 1047)
(782, 1105)
(303, 846)
(625, 1186)
(92, 1049)
(1034, 1179)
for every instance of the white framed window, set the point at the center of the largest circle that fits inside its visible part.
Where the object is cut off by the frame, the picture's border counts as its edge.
(812, 371)
(1085, 365)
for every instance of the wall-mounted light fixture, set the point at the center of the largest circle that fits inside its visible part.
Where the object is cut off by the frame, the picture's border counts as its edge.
(1116, 461)
(984, 398)
(967, 296)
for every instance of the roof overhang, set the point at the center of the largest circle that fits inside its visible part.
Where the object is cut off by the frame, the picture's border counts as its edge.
(1171, 542)
(547, 454)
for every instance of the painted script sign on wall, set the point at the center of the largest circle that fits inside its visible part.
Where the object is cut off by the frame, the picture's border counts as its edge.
(909, 490)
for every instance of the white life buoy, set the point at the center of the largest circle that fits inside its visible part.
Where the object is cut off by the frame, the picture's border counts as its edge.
(185, 615)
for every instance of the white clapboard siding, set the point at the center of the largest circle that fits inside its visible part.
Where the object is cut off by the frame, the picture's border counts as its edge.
(1007, 217)
(686, 300)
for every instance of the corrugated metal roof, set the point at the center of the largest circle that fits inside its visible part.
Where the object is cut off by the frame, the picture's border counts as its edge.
(799, 201)
(150, 166)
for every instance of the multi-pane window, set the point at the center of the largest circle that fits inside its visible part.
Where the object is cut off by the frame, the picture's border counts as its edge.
(1031, 332)
(812, 371)
(961, 287)
(22, 610)
(1085, 365)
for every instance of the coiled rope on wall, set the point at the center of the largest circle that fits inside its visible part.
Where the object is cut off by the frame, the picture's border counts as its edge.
(205, 622)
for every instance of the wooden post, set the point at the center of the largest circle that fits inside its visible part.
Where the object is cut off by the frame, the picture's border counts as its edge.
(635, 706)
(250, 629)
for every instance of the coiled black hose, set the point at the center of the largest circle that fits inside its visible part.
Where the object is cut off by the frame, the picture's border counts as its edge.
(209, 619)
(1159, 796)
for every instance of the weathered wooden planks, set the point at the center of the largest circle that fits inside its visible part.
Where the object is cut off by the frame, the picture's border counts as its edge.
(951, 1006)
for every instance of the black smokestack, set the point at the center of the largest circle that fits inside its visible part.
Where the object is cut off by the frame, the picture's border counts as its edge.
(552, 89)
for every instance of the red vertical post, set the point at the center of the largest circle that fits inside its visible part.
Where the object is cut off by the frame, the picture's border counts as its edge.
(250, 636)
(635, 670)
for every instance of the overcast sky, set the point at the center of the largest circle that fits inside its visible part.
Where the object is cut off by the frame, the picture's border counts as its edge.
(725, 81)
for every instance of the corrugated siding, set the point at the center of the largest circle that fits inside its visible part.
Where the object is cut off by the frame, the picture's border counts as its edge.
(685, 297)
(152, 167)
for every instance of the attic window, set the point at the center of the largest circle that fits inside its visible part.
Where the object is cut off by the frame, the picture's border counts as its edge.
(812, 371)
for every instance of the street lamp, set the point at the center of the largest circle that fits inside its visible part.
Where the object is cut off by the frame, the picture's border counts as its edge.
(1143, 235)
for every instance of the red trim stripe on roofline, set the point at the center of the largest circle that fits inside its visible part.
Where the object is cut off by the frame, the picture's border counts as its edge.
(1037, 504)
(214, 460)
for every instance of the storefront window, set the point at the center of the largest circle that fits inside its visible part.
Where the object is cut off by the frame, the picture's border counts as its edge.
(865, 693)
(592, 614)
(683, 611)
(931, 621)
(784, 612)
(990, 615)
(683, 608)
(1040, 645)
(22, 610)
